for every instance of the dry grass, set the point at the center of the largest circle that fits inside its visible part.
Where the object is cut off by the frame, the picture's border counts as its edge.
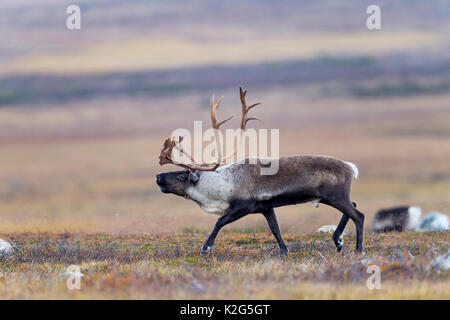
(242, 266)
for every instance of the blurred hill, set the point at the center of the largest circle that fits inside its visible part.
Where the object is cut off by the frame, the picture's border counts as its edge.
(135, 35)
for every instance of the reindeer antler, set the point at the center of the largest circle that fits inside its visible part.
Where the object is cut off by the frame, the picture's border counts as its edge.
(245, 109)
(166, 156)
(171, 143)
(244, 118)
(214, 106)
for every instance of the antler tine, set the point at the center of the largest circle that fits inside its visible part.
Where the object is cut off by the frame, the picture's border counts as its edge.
(244, 119)
(246, 109)
(166, 156)
(166, 151)
(214, 106)
(171, 143)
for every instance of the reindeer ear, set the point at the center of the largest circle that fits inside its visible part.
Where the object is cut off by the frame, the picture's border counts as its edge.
(193, 177)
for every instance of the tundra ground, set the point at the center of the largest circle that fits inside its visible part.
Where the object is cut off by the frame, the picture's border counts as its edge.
(241, 266)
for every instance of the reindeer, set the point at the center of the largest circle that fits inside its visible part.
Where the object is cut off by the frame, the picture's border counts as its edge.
(238, 189)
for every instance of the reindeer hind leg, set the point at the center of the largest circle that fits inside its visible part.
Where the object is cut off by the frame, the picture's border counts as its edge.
(349, 210)
(337, 235)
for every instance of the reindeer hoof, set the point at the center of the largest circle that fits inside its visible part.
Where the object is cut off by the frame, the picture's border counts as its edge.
(206, 249)
(339, 244)
(284, 251)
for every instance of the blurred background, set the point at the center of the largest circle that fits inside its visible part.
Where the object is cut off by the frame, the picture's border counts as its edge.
(83, 113)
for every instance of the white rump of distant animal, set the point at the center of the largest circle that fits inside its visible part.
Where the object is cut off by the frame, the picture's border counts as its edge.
(414, 214)
(398, 219)
(434, 221)
(6, 248)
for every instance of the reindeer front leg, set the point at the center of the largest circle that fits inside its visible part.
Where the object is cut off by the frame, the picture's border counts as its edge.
(231, 216)
(273, 224)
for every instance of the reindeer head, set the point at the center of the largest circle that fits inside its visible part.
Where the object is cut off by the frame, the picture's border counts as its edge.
(177, 182)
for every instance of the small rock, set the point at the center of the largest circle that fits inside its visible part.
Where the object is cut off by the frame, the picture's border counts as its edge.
(366, 261)
(441, 263)
(327, 229)
(197, 286)
(6, 249)
(434, 221)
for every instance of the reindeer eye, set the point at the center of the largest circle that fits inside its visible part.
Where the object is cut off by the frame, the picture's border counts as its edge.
(182, 177)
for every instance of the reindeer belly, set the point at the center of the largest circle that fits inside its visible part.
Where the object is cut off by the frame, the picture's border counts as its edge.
(285, 199)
